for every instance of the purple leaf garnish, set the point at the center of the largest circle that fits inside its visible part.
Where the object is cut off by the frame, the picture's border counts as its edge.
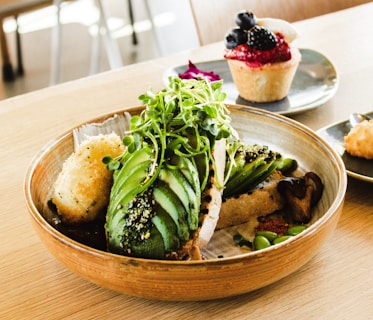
(194, 73)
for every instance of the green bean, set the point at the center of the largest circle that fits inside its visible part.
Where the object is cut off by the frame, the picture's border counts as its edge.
(265, 238)
(270, 235)
(294, 230)
(281, 239)
(261, 242)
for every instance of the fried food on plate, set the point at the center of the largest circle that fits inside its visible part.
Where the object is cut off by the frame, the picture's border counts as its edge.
(359, 141)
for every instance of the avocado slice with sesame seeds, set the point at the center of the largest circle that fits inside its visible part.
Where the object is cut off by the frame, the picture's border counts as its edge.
(151, 247)
(132, 174)
(170, 202)
(121, 198)
(167, 228)
(177, 182)
(143, 155)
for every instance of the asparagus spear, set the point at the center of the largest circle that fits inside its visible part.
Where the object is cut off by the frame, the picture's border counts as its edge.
(249, 165)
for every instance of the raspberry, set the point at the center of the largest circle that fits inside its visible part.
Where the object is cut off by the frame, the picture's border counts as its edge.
(261, 38)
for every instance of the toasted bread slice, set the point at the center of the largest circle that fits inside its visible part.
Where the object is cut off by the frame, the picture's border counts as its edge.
(263, 200)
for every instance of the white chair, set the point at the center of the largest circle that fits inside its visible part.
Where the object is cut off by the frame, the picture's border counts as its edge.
(213, 18)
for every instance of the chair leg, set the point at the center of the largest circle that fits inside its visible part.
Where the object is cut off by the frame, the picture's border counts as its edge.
(112, 48)
(20, 70)
(154, 29)
(132, 20)
(96, 48)
(56, 46)
(8, 74)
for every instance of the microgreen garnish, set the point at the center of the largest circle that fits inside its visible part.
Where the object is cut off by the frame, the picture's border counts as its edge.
(183, 120)
(112, 164)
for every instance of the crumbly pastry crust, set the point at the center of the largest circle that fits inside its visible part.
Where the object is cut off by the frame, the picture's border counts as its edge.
(359, 141)
(270, 82)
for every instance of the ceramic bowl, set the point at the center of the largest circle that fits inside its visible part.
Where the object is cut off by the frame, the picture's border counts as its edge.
(217, 277)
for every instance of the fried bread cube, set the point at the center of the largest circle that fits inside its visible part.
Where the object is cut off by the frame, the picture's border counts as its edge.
(82, 189)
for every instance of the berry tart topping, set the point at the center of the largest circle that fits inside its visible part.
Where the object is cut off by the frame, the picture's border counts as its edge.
(235, 37)
(256, 58)
(261, 38)
(246, 20)
(259, 41)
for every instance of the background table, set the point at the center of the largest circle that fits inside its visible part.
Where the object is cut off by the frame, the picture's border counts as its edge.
(336, 284)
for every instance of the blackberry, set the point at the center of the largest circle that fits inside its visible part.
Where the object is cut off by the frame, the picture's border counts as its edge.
(261, 38)
(235, 37)
(246, 20)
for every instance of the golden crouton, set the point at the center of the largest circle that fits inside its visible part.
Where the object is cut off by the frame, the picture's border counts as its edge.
(82, 189)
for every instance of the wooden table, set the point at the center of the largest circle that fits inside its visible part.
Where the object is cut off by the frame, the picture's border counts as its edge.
(336, 284)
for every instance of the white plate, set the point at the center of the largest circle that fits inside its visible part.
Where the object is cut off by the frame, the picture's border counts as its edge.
(314, 84)
(358, 168)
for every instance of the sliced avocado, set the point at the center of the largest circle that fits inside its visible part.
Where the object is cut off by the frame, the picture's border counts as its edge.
(131, 231)
(239, 162)
(261, 173)
(189, 170)
(203, 166)
(170, 202)
(235, 183)
(177, 182)
(150, 248)
(249, 176)
(121, 176)
(116, 218)
(167, 228)
(133, 186)
(132, 175)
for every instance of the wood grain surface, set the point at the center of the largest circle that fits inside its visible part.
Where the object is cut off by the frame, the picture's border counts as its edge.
(336, 284)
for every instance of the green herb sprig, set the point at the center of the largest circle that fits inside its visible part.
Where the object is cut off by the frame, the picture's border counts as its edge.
(183, 120)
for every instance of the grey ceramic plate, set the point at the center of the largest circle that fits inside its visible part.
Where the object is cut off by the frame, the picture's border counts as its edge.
(314, 84)
(358, 168)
